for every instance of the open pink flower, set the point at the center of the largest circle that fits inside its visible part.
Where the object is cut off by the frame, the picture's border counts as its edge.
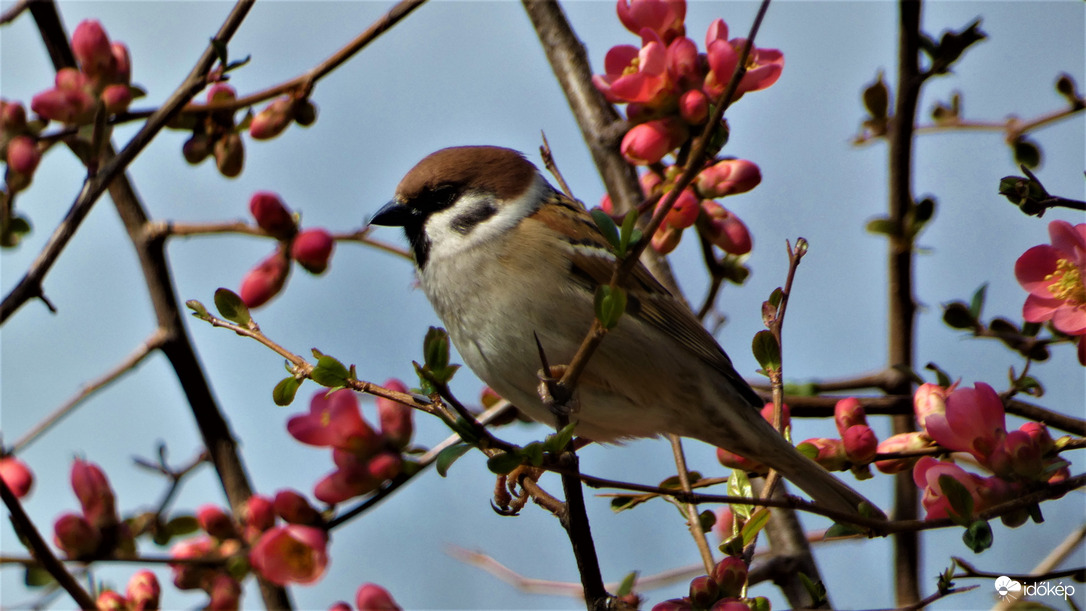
(763, 65)
(635, 74)
(1055, 276)
(291, 554)
(664, 17)
(986, 492)
(973, 421)
(334, 420)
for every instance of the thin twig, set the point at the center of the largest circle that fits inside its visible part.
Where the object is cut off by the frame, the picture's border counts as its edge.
(693, 520)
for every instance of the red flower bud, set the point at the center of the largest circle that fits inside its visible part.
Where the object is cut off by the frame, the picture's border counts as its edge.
(229, 154)
(259, 513)
(786, 414)
(384, 466)
(312, 249)
(397, 424)
(143, 591)
(731, 575)
(91, 47)
(116, 98)
(272, 215)
(684, 212)
(649, 142)
(830, 453)
(860, 444)
(730, 604)
(265, 280)
(902, 442)
(16, 475)
(703, 591)
(666, 239)
(372, 597)
(122, 63)
(225, 594)
(12, 117)
(94, 493)
(728, 177)
(930, 399)
(197, 148)
(848, 413)
(76, 536)
(271, 121)
(735, 461)
(216, 522)
(694, 107)
(295, 509)
(725, 230)
(108, 600)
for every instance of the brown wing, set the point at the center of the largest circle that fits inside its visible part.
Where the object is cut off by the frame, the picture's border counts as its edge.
(647, 299)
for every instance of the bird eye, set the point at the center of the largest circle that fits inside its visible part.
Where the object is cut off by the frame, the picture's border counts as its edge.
(438, 198)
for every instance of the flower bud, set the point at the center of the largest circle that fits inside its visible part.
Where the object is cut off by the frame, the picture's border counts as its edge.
(221, 92)
(295, 509)
(1038, 432)
(684, 67)
(384, 466)
(847, 413)
(108, 600)
(694, 107)
(259, 513)
(197, 148)
(724, 524)
(75, 536)
(725, 230)
(16, 475)
(143, 591)
(191, 576)
(22, 158)
(728, 177)
(735, 461)
(116, 98)
(70, 106)
(666, 239)
(272, 215)
(372, 597)
(312, 249)
(930, 399)
(265, 280)
(271, 121)
(225, 594)
(229, 152)
(860, 444)
(786, 414)
(830, 453)
(1016, 456)
(397, 424)
(703, 591)
(12, 117)
(95, 495)
(731, 575)
(649, 142)
(902, 442)
(684, 212)
(122, 63)
(92, 50)
(216, 522)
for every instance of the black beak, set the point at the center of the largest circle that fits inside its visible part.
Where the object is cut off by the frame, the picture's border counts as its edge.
(393, 214)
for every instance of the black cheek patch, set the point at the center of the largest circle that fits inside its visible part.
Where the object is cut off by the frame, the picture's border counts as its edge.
(466, 222)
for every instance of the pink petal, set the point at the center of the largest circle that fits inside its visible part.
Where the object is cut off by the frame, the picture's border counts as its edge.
(1032, 267)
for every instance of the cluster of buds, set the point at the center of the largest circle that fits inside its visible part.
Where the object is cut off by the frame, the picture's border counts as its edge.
(18, 477)
(279, 114)
(103, 76)
(669, 88)
(370, 597)
(734, 461)
(97, 532)
(294, 552)
(856, 447)
(142, 594)
(720, 591)
(311, 248)
(18, 146)
(216, 135)
(364, 458)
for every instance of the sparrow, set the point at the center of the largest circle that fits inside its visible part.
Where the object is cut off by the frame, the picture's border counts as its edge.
(505, 258)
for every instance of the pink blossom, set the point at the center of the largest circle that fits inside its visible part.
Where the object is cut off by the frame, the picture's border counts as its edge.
(763, 65)
(192, 576)
(860, 444)
(731, 575)
(725, 230)
(18, 477)
(77, 537)
(95, 495)
(295, 509)
(694, 107)
(684, 212)
(92, 48)
(649, 142)
(397, 419)
(291, 554)
(1054, 275)
(728, 177)
(636, 74)
(265, 280)
(356, 476)
(930, 399)
(664, 17)
(847, 413)
(143, 591)
(372, 597)
(666, 239)
(312, 249)
(216, 522)
(684, 64)
(271, 214)
(985, 492)
(902, 442)
(23, 155)
(334, 420)
(973, 421)
(225, 592)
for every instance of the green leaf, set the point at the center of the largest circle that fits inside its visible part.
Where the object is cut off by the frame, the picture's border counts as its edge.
(1030, 385)
(435, 349)
(754, 525)
(942, 378)
(627, 585)
(231, 307)
(503, 463)
(630, 233)
(776, 296)
(610, 305)
(607, 226)
(284, 391)
(182, 525)
(961, 502)
(767, 351)
(739, 486)
(533, 454)
(882, 225)
(221, 53)
(923, 211)
(957, 315)
(808, 450)
(448, 456)
(329, 372)
(622, 503)
(36, 577)
(815, 589)
(978, 536)
(198, 309)
(556, 443)
(838, 530)
(976, 305)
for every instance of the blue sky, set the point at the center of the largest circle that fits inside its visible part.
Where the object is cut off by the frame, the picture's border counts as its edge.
(474, 73)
